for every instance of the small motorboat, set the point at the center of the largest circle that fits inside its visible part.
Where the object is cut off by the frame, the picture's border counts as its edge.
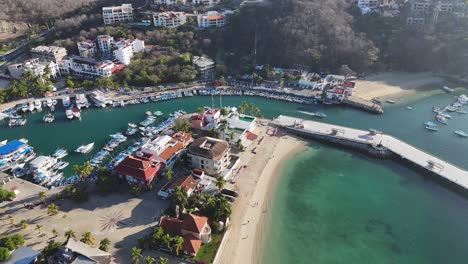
(158, 113)
(429, 123)
(48, 118)
(390, 101)
(60, 153)
(436, 109)
(83, 149)
(409, 108)
(66, 102)
(31, 106)
(132, 125)
(38, 105)
(461, 111)
(69, 113)
(320, 115)
(460, 133)
(376, 100)
(442, 119)
(450, 108)
(448, 89)
(431, 128)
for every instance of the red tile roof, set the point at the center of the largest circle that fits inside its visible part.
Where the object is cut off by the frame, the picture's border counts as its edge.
(138, 167)
(194, 223)
(186, 182)
(191, 244)
(337, 91)
(197, 117)
(348, 84)
(171, 225)
(182, 137)
(169, 151)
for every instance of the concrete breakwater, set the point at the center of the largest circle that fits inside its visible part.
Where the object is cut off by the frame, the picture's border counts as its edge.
(375, 143)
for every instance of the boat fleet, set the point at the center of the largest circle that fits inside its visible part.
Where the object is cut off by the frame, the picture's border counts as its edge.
(443, 114)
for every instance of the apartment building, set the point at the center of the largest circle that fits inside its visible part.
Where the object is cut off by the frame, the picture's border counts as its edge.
(169, 19)
(35, 66)
(125, 49)
(48, 53)
(87, 48)
(87, 67)
(169, 2)
(104, 43)
(209, 154)
(211, 19)
(421, 12)
(117, 14)
(205, 2)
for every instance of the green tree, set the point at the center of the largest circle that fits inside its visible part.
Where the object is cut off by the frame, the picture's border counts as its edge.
(136, 255)
(200, 110)
(177, 242)
(166, 240)
(4, 253)
(39, 229)
(104, 244)
(224, 111)
(155, 238)
(52, 209)
(70, 234)
(220, 182)
(105, 181)
(149, 260)
(6, 195)
(168, 173)
(48, 250)
(163, 260)
(23, 224)
(83, 170)
(186, 127)
(42, 196)
(88, 238)
(179, 198)
(69, 82)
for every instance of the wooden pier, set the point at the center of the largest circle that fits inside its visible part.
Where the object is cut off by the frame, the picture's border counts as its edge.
(377, 143)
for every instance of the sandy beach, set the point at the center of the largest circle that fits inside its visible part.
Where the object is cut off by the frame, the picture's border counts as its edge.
(243, 241)
(394, 84)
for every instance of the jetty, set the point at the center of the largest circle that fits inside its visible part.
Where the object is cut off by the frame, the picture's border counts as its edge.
(375, 143)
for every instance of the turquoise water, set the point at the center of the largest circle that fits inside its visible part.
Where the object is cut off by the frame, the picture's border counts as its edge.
(331, 205)
(338, 206)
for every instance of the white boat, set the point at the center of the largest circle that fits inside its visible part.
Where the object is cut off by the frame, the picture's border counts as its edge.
(445, 115)
(60, 153)
(390, 101)
(81, 101)
(31, 106)
(132, 125)
(100, 99)
(3, 142)
(461, 111)
(442, 119)
(49, 102)
(48, 118)
(429, 123)
(450, 108)
(436, 109)
(76, 113)
(431, 128)
(38, 105)
(460, 133)
(85, 148)
(462, 99)
(447, 89)
(409, 108)
(54, 102)
(61, 165)
(66, 102)
(69, 114)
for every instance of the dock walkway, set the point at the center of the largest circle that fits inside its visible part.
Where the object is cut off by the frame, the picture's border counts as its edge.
(373, 140)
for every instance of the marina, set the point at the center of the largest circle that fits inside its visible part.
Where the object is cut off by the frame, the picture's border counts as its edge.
(375, 143)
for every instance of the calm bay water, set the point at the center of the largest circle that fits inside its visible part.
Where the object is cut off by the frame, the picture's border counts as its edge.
(331, 205)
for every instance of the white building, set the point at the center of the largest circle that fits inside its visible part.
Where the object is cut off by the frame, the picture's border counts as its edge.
(169, 2)
(205, 2)
(169, 19)
(87, 48)
(204, 66)
(48, 53)
(116, 14)
(124, 54)
(126, 49)
(105, 44)
(211, 19)
(137, 45)
(87, 67)
(36, 67)
(209, 154)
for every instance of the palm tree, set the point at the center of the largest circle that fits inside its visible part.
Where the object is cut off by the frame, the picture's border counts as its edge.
(186, 126)
(220, 182)
(83, 170)
(168, 173)
(179, 197)
(52, 209)
(70, 234)
(104, 244)
(23, 224)
(149, 260)
(38, 228)
(231, 136)
(163, 260)
(88, 238)
(166, 240)
(177, 243)
(222, 209)
(10, 218)
(136, 255)
(42, 196)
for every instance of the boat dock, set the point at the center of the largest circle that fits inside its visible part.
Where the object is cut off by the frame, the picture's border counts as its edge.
(375, 143)
(364, 104)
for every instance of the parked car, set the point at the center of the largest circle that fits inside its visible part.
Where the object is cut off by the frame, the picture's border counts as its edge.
(230, 192)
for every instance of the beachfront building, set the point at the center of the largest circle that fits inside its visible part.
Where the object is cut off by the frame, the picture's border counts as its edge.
(48, 53)
(104, 43)
(211, 19)
(336, 94)
(87, 48)
(34, 66)
(188, 183)
(193, 228)
(117, 14)
(169, 19)
(139, 169)
(88, 67)
(209, 154)
(167, 149)
(78, 252)
(241, 126)
(169, 2)
(204, 66)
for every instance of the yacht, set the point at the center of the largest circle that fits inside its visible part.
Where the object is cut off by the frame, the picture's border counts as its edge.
(462, 99)
(100, 99)
(445, 115)
(429, 123)
(24, 107)
(436, 109)
(451, 108)
(132, 125)
(49, 102)
(37, 105)
(31, 106)
(66, 102)
(69, 114)
(442, 119)
(17, 122)
(320, 114)
(60, 153)
(81, 101)
(48, 118)
(61, 165)
(42, 163)
(85, 148)
(3, 142)
(460, 133)
(76, 113)
(54, 102)
(431, 126)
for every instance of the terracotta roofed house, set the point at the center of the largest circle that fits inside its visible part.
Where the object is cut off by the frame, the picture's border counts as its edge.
(138, 169)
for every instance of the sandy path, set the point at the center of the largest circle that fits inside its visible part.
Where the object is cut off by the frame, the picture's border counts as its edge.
(243, 241)
(393, 84)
